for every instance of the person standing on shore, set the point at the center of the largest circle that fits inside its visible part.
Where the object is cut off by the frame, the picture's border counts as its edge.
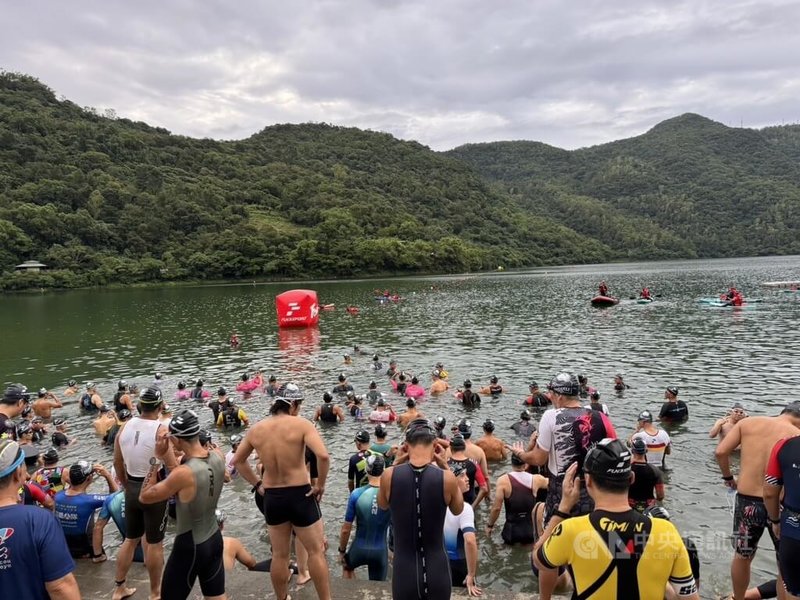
(290, 501)
(421, 566)
(757, 436)
(134, 447)
(196, 485)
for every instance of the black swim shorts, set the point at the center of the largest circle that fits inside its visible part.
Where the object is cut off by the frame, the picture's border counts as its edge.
(291, 505)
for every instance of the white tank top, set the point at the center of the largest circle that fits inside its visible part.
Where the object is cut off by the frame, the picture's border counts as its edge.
(137, 443)
(522, 477)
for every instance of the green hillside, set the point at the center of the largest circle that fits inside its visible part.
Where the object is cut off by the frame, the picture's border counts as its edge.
(101, 199)
(688, 187)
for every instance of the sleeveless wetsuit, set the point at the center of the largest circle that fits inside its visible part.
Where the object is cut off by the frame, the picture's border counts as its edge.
(518, 528)
(327, 414)
(197, 552)
(87, 404)
(421, 566)
(118, 405)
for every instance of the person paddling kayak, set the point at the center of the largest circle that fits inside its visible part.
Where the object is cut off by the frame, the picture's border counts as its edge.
(602, 289)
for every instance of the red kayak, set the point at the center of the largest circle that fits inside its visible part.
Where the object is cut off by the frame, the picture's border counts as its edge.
(604, 301)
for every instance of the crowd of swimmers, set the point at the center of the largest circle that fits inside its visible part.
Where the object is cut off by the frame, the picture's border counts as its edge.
(418, 489)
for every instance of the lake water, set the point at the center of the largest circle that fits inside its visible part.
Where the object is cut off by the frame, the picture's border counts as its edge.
(519, 326)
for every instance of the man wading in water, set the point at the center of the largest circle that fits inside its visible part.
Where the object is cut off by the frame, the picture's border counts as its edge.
(290, 502)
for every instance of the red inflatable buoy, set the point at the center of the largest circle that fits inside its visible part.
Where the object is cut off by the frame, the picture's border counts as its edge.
(297, 308)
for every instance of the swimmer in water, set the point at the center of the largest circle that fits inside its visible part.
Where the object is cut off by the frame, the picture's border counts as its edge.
(723, 425)
(493, 447)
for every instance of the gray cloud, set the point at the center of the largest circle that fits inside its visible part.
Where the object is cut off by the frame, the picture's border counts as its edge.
(444, 73)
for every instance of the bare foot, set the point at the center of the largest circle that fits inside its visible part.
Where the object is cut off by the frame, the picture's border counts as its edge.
(302, 579)
(123, 592)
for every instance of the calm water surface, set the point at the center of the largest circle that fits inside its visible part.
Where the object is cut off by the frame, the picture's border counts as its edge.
(519, 326)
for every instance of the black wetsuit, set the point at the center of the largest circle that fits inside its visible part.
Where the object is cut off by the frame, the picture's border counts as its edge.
(518, 528)
(118, 405)
(472, 469)
(470, 399)
(327, 413)
(421, 567)
(674, 412)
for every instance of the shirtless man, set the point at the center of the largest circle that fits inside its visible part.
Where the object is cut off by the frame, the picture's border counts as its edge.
(410, 414)
(104, 421)
(493, 447)
(723, 425)
(72, 388)
(439, 385)
(757, 436)
(290, 501)
(43, 406)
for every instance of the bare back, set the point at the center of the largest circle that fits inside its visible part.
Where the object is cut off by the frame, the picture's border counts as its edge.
(758, 436)
(493, 447)
(280, 443)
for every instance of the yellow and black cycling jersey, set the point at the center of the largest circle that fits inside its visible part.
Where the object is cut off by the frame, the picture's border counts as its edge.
(626, 555)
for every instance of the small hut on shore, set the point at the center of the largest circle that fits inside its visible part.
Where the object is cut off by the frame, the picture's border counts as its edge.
(30, 266)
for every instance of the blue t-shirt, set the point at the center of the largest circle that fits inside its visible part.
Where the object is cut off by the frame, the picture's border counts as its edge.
(114, 508)
(371, 521)
(32, 552)
(76, 513)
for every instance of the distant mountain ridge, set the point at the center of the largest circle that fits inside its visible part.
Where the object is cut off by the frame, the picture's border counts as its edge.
(101, 199)
(711, 190)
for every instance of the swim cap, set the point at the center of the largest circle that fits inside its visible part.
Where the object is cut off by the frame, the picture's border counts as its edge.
(72, 383)
(581, 378)
(151, 396)
(122, 385)
(14, 393)
(104, 409)
(595, 395)
(420, 430)
(792, 408)
(380, 430)
(609, 459)
(59, 421)
(273, 378)
(375, 357)
(11, 457)
(533, 385)
(51, 456)
(465, 428)
(372, 385)
(457, 442)
(525, 415)
(36, 420)
(245, 376)
(350, 394)
(24, 428)
(516, 460)
(198, 383)
(467, 383)
(414, 380)
(27, 410)
(458, 469)
(657, 512)
(181, 385)
(236, 440)
(124, 414)
(439, 422)
(380, 402)
(493, 379)
(222, 392)
(488, 425)
(80, 472)
(673, 390)
(42, 392)
(220, 516)
(362, 436)
(565, 384)
(158, 375)
(185, 424)
(326, 397)
(342, 378)
(204, 436)
(91, 385)
(646, 416)
(375, 464)
(638, 446)
(410, 403)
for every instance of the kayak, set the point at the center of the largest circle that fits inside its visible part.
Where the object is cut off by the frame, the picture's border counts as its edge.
(604, 301)
(720, 302)
(723, 304)
(780, 284)
(644, 300)
(328, 307)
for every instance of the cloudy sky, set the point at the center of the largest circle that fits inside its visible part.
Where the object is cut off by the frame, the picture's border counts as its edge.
(443, 72)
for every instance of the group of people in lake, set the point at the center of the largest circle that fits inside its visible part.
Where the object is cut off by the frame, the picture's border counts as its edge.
(422, 495)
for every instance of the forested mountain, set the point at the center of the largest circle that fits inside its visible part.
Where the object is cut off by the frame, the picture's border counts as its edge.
(688, 187)
(101, 199)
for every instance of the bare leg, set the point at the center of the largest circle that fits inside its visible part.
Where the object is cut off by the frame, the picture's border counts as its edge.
(281, 538)
(313, 538)
(124, 560)
(303, 576)
(547, 583)
(740, 575)
(154, 561)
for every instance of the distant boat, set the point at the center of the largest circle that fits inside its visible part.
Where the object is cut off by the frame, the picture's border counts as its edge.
(781, 284)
